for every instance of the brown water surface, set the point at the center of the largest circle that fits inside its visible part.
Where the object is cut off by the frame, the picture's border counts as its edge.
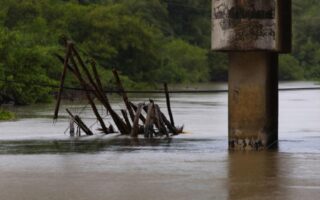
(39, 162)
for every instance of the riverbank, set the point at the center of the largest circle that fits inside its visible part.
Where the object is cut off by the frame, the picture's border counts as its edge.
(6, 115)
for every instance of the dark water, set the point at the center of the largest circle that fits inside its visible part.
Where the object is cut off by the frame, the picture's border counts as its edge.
(37, 161)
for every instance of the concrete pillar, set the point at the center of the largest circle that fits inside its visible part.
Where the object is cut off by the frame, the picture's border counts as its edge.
(253, 33)
(253, 100)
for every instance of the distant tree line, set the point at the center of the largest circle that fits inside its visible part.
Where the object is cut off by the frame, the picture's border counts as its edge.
(148, 41)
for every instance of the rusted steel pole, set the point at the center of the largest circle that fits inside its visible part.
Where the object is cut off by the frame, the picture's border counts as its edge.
(126, 119)
(88, 95)
(135, 108)
(159, 121)
(124, 94)
(62, 79)
(149, 121)
(80, 123)
(96, 75)
(135, 126)
(85, 69)
(171, 128)
(253, 33)
(101, 96)
(168, 103)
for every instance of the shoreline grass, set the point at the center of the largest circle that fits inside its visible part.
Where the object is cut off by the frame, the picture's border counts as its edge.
(6, 115)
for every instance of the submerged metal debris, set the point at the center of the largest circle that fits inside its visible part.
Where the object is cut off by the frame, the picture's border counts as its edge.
(153, 123)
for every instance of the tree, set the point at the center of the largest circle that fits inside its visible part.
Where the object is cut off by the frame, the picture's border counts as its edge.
(182, 62)
(23, 69)
(289, 68)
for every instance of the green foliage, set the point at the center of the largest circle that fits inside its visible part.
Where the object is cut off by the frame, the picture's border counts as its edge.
(22, 66)
(146, 40)
(182, 62)
(289, 68)
(122, 42)
(191, 20)
(218, 66)
(6, 115)
(306, 40)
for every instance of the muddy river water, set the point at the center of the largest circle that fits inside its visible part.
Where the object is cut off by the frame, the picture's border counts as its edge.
(39, 162)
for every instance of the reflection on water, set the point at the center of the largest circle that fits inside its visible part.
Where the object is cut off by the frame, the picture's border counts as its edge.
(37, 161)
(273, 175)
(253, 175)
(118, 144)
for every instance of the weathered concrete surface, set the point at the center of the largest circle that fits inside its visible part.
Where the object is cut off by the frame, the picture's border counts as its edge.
(253, 100)
(246, 25)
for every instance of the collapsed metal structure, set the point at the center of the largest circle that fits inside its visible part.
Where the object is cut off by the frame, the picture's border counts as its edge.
(144, 119)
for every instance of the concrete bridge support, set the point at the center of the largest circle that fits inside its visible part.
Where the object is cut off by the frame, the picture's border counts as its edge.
(253, 33)
(253, 100)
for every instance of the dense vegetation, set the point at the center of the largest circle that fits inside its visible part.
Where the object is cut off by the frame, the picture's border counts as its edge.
(6, 115)
(147, 40)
